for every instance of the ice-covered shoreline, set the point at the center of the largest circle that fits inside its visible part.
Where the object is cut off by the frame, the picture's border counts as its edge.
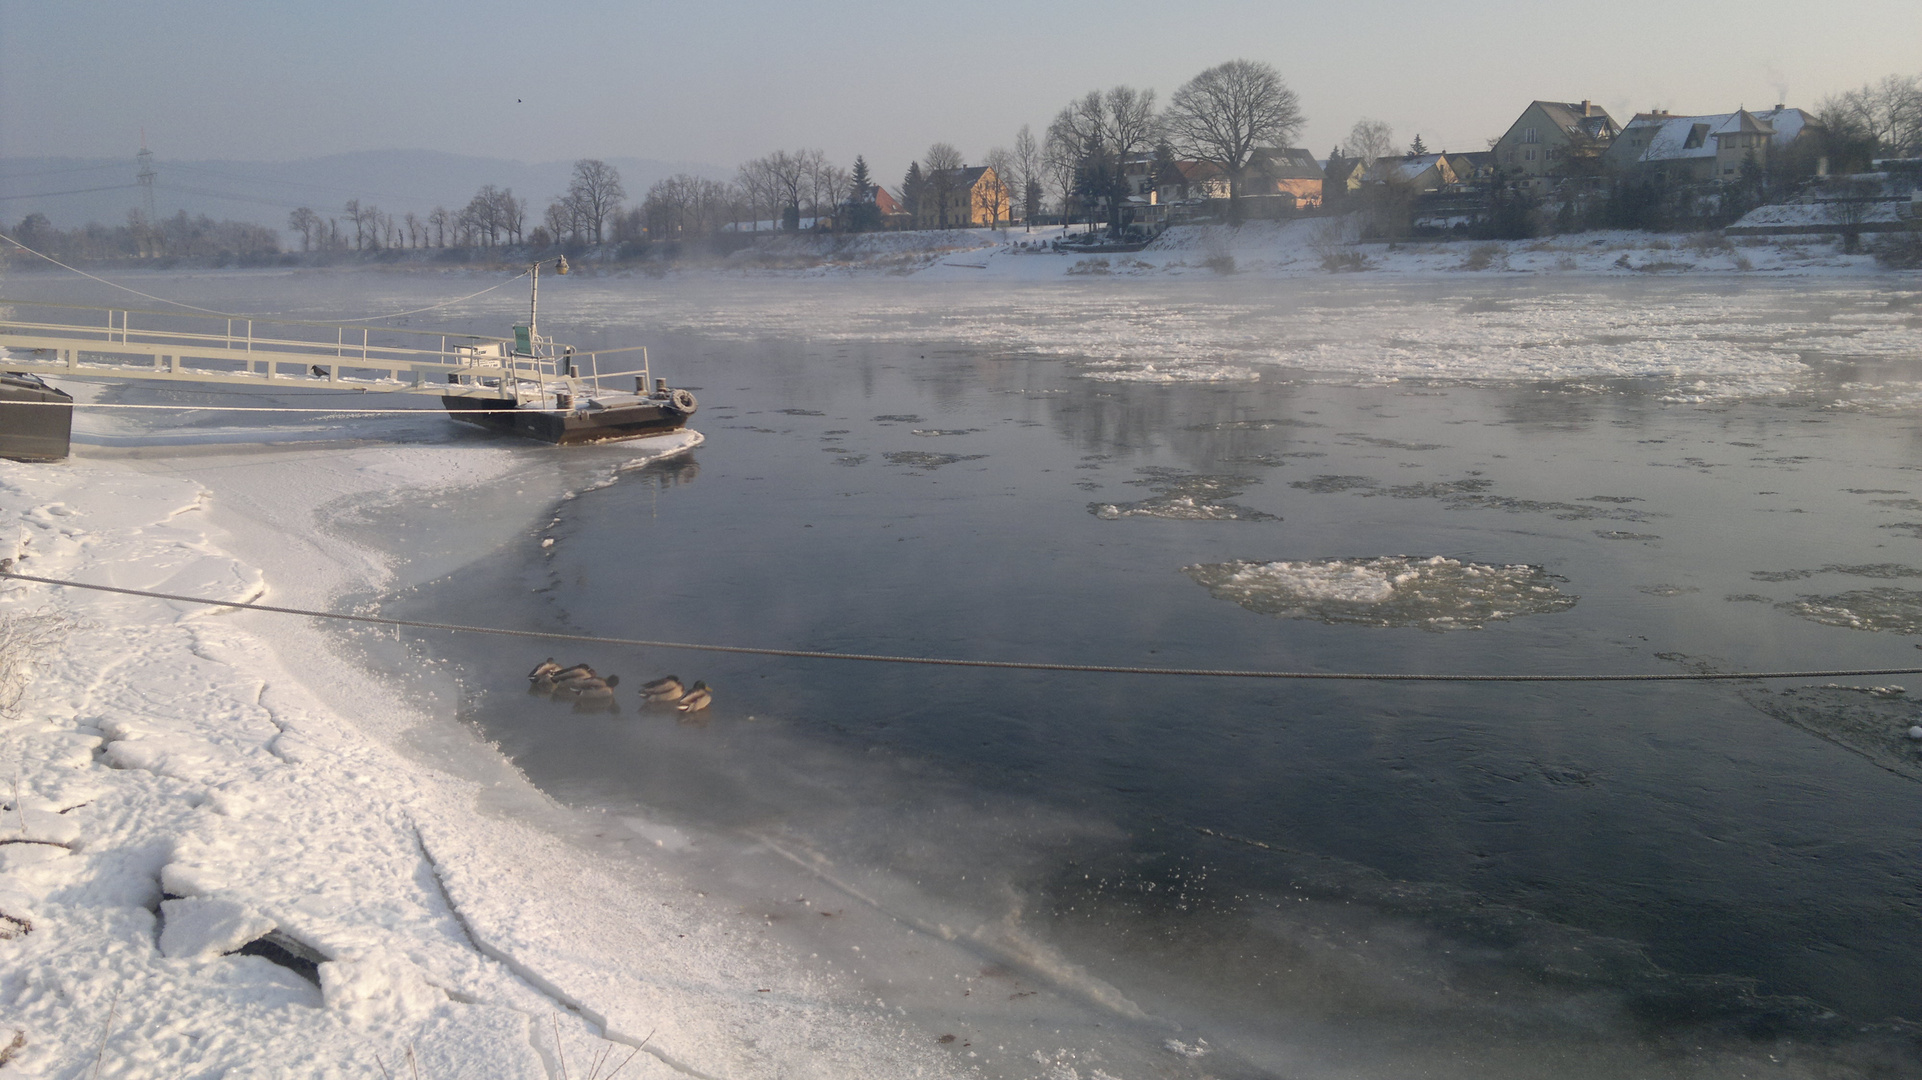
(189, 778)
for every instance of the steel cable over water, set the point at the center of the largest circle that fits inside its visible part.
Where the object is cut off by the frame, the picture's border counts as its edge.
(938, 661)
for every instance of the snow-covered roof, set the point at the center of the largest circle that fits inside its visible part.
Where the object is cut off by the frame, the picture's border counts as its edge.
(1404, 170)
(1681, 137)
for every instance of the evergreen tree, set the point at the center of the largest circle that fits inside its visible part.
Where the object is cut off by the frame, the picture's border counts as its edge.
(1417, 148)
(862, 215)
(912, 186)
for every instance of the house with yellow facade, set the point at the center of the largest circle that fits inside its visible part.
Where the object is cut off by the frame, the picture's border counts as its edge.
(963, 198)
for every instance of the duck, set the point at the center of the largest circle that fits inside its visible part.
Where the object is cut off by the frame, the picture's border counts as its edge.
(664, 689)
(697, 698)
(545, 669)
(590, 687)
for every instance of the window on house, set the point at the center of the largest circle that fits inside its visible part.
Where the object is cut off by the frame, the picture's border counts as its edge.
(1696, 134)
(1529, 136)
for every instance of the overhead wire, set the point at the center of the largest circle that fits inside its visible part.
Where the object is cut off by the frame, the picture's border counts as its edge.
(74, 191)
(941, 661)
(254, 315)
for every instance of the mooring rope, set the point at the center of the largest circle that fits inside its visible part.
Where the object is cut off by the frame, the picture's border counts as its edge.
(940, 661)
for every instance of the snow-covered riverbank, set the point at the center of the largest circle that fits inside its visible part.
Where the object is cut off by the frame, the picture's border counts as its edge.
(185, 781)
(1308, 247)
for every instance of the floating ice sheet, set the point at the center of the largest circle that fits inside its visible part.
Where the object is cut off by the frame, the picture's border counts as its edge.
(1185, 497)
(1434, 593)
(1887, 608)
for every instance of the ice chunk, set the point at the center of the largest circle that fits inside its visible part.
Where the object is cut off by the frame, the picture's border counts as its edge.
(1896, 610)
(378, 988)
(204, 926)
(1435, 593)
(1185, 497)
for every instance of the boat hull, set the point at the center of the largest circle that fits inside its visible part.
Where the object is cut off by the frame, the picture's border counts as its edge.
(568, 428)
(36, 420)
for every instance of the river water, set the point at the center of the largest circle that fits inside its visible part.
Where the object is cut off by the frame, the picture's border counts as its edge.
(1176, 875)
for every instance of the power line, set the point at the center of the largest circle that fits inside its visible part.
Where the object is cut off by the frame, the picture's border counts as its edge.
(58, 172)
(254, 315)
(1004, 665)
(75, 191)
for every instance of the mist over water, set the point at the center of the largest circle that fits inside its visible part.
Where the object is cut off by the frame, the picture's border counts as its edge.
(1252, 877)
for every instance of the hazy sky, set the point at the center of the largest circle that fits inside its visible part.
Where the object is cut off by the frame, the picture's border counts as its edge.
(722, 82)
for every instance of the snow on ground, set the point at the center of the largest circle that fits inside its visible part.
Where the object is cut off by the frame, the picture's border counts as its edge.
(182, 781)
(1306, 246)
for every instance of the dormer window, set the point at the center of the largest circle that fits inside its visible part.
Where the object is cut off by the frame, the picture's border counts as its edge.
(1696, 134)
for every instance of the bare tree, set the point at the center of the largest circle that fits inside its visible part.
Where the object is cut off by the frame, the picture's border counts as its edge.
(352, 209)
(995, 197)
(595, 194)
(307, 224)
(1103, 133)
(509, 213)
(1061, 163)
(1223, 114)
(785, 180)
(1889, 113)
(561, 221)
(437, 220)
(1025, 160)
(1369, 140)
(684, 207)
(938, 168)
(756, 183)
(827, 186)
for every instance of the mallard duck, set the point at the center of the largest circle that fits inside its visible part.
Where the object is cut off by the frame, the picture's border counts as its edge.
(697, 698)
(545, 669)
(590, 687)
(664, 689)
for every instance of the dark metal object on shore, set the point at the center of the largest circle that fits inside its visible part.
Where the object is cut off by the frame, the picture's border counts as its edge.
(36, 420)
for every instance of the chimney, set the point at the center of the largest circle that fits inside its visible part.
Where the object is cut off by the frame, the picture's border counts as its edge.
(1586, 109)
(1778, 106)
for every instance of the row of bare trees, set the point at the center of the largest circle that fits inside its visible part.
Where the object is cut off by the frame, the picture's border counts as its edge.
(1881, 119)
(492, 217)
(179, 235)
(1221, 117)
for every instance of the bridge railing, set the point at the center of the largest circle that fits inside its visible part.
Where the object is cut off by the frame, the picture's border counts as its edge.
(176, 345)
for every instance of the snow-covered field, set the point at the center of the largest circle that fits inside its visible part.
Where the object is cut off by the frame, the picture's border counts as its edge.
(183, 781)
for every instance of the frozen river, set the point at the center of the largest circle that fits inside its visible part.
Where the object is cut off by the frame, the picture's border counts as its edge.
(1246, 877)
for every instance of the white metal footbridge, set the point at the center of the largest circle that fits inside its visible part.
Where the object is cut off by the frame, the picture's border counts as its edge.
(289, 354)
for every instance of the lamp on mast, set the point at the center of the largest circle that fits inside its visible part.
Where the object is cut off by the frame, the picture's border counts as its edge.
(534, 303)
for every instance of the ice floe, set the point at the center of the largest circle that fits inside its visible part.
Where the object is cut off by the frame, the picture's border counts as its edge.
(1432, 593)
(1889, 609)
(1185, 497)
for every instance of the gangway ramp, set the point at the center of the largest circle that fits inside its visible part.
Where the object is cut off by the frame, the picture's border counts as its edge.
(129, 343)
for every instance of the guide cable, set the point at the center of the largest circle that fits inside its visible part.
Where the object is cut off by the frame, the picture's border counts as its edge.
(939, 661)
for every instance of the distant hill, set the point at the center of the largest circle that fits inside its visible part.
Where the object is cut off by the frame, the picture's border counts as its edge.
(75, 191)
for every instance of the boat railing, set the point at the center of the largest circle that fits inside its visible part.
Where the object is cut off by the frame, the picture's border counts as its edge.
(91, 340)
